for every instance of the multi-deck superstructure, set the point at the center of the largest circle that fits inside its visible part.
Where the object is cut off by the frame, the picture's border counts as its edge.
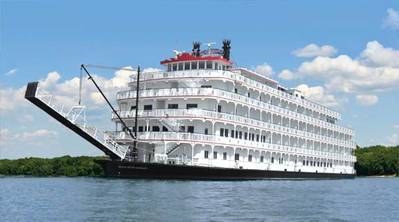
(203, 111)
(203, 118)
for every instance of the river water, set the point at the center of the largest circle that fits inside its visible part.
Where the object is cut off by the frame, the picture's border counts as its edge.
(99, 199)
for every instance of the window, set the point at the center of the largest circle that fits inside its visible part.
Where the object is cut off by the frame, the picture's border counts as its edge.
(232, 134)
(132, 108)
(223, 67)
(147, 107)
(180, 66)
(303, 163)
(186, 66)
(226, 132)
(182, 129)
(206, 131)
(169, 67)
(206, 86)
(219, 108)
(249, 94)
(249, 158)
(174, 67)
(235, 90)
(245, 135)
(240, 135)
(206, 154)
(262, 158)
(236, 134)
(208, 64)
(215, 155)
(221, 131)
(140, 128)
(237, 157)
(190, 129)
(272, 160)
(257, 138)
(155, 128)
(193, 65)
(201, 65)
(191, 106)
(164, 129)
(224, 156)
(173, 106)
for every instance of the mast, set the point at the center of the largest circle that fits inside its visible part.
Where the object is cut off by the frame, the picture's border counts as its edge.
(135, 117)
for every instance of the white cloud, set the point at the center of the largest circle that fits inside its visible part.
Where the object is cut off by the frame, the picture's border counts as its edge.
(264, 69)
(367, 100)
(376, 54)
(10, 98)
(393, 139)
(392, 19)
(396, 126)
(344, 74)
(36, 134)
(318, 94)
(11, 72)
(286, 75)
(313, 50)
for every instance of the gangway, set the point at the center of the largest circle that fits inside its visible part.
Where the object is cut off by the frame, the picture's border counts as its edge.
(75, 120)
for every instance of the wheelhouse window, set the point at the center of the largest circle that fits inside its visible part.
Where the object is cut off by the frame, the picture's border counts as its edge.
(169, 67)
(180, 66)
(208, 64)
(147, 107)
(173, 106)
(174, 67)
(201, 65)
(186, 66)
(193, 65)
(191, 106)
(206, 154)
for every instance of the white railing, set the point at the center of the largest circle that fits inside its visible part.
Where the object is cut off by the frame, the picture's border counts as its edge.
(76, 115)
(212, 140)
(238, 77)
(193, 113)
(210, 92)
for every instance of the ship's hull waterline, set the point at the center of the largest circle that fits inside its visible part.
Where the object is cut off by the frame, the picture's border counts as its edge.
(118, 169)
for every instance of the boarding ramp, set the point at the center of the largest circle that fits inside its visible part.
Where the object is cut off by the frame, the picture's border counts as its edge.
(75, 119)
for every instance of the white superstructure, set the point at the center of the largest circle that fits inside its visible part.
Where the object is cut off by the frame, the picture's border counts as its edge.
(203, 111)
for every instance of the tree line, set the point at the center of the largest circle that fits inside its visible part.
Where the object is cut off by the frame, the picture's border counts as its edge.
(373, 160)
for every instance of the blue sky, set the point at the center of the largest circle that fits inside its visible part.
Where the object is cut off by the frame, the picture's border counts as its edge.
(342, 55)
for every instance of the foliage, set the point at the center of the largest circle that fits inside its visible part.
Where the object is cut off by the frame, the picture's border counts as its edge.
(377, 160)
(60, 166)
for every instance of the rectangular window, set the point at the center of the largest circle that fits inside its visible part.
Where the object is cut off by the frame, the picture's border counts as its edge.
(164, 129)
(257, 138)
(155, 128)
(132, 108)
(236, 134)
(215, 155)
(201, 65)
(245, 135)
(206, 131)
(190, 129)
(208, 65)
(147, 107)
(140, 128)
(219, 108)
(272, 160)
(180, 66)
(182, 129)
(191, 106)
(226, 132)
(249, 158)
(224, 156)
(232, 134)
(235, 90)
(221, 131)
(173, 106)
(169, 68)
(174, 66)
(240, 135)
(186, 66)
(206, 154)
(193, 65)
(262, 158)
(237, 157)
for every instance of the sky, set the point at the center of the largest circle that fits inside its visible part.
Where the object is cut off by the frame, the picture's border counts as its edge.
(345, 56)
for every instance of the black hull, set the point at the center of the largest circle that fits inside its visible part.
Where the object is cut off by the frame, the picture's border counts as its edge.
(167, 171)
